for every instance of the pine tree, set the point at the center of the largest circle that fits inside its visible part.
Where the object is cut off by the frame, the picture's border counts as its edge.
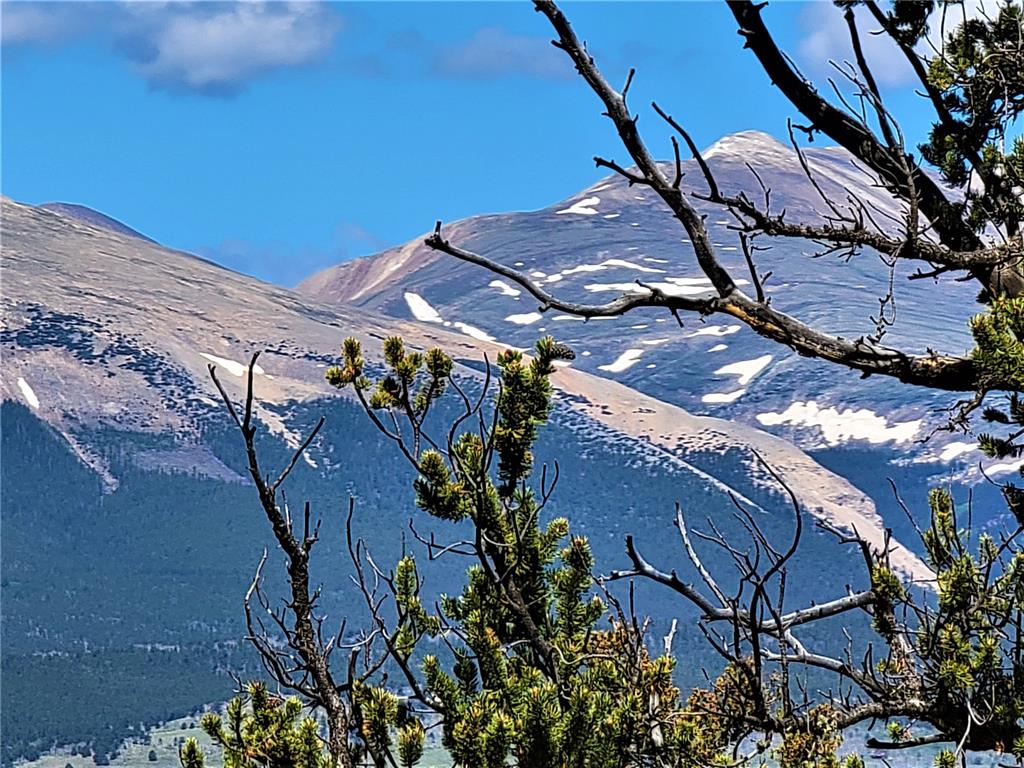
(259, 730)
(543, 674)
(545, 668)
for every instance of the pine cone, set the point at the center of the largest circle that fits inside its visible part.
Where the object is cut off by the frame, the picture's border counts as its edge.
(560, 351)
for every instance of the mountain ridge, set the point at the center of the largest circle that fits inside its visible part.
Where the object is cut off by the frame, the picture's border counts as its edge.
(143, 367)
(94, 217)
(597, 243)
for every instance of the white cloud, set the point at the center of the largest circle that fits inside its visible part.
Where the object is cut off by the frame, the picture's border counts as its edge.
(493, 52)
(220, 49)
(212, 48)
(35, 23)
(827, 38)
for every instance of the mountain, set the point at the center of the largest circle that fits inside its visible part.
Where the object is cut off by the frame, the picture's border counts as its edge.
(95, 218)
(597, 243)
(130, 531)
(103, 331)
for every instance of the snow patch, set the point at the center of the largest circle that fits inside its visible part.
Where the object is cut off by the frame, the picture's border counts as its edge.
(605, 265)
(718, 347)
(582, 207)
(231, 366)
(612, 215)
(842, 426)
(582, 268)
(1004, 468)
(476, 333)
(421, 309)
(626, 360)
(671, 286)
(750, 145)
(745, 369)
(668, 288)
(723, 397)
(951, 450)
(690, 281)
(505, 288)
(715, 330)
(28, 393)
(524, 319)
(629, 265)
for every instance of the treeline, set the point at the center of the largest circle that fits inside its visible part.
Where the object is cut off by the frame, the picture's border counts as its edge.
(166, 558)
(93, 701)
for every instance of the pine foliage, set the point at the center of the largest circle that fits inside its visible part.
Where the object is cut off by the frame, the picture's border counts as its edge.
(545, 668)
(543, 673)
(259, 730)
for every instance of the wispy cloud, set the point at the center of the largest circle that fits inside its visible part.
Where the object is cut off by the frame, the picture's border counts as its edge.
(277, 262)
(827, 39)
(218, 48)
(492, 52)
(212, 48)
(288, 264)
(45, 23)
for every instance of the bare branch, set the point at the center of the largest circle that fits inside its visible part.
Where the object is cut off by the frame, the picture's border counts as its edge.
(933, 369)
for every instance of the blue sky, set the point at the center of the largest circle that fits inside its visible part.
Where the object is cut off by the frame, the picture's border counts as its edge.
(279, 139)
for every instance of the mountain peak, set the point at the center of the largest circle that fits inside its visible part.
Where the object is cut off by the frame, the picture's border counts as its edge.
(95, 218)
(745, 144)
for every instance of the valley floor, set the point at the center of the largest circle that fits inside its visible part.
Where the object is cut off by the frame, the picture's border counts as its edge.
(165, 740)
